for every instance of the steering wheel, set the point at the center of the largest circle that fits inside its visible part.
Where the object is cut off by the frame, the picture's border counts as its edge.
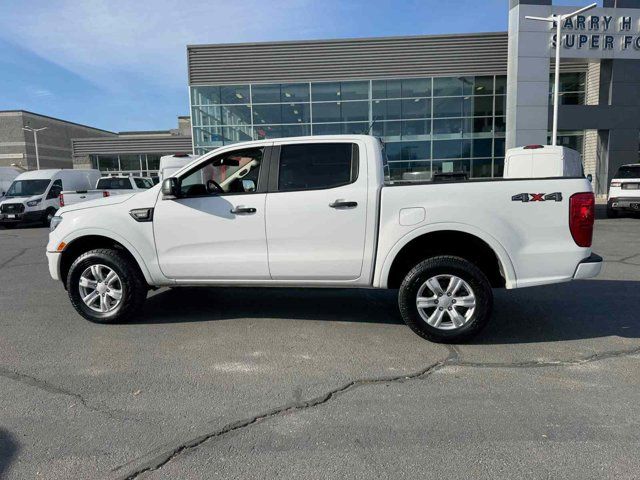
(214, 187)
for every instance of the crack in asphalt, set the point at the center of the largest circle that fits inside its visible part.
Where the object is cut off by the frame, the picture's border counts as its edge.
(624, 260)
(452, 360)
(7, 262)
(49, 388)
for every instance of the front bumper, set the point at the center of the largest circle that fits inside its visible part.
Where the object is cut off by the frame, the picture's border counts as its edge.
(24, 217)
(589, 267)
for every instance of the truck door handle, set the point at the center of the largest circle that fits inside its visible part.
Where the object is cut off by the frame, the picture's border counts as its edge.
(343, 204)
(243, 210)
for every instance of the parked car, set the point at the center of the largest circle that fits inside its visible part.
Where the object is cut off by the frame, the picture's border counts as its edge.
(624, 192)
(33, 195)
(170, 164)
(542, 161)
(316, 212)
(7, 176)
(105, 187)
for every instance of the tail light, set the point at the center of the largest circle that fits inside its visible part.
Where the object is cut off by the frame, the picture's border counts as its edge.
(105, 193)
(61, 198)
(616, 184)
(581, 218)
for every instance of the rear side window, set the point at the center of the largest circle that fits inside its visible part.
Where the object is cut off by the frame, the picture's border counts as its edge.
(114, 184)
(143, 183)
(628, 172)
(315, 166)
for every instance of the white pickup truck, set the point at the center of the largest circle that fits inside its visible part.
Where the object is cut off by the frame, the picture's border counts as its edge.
(105, 187)
(317, 212)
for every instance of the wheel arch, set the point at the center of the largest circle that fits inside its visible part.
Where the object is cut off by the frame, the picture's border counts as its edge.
(451, 239)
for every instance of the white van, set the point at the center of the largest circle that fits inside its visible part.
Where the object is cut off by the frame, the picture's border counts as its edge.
(7, 175)
(33, 195)
(170, 164)
(542, 161)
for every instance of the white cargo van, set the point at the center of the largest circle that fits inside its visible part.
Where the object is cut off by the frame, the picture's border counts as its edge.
(33, 195)
(170, 164)
(7, 175)
(542, 161)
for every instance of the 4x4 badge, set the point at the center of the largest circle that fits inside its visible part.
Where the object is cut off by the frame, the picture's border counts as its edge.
(537, 197)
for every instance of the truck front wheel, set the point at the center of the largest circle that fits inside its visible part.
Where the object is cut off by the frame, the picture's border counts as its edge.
(446, 299)
(105, 286)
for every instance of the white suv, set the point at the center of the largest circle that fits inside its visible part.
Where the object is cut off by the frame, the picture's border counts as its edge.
(624, 193)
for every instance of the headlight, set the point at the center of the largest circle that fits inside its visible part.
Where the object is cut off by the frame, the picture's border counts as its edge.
(55, 221)
(33, 203)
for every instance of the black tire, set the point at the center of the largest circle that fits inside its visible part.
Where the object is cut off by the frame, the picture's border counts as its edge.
(611, 213)
(133, 285)
(446, 265)
(48, 215)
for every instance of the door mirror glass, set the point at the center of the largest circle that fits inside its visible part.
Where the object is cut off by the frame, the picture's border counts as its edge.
(170, 188)
(590, 178)
(248, 185)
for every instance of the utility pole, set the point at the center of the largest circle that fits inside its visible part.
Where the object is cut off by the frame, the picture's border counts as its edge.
(35, 140)
(558, 19)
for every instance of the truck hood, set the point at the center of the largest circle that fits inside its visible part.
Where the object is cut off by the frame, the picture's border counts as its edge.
(100, 202)
(20, 199)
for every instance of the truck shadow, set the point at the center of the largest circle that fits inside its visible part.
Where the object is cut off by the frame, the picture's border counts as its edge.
(8, 450)
(570, 311)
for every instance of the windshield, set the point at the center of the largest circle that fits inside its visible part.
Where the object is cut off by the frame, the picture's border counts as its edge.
(114, 184)
(27, 188)
(628, 172)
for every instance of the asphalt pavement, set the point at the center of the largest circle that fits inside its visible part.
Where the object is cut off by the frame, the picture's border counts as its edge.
(296, 383)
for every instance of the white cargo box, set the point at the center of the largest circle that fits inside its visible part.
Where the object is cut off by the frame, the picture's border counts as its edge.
(542, 161)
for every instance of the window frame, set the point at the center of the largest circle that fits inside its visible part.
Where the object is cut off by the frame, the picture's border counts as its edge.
(263, 173)
(274, 170)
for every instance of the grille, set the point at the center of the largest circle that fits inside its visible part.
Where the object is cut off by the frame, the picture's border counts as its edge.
(12, 208)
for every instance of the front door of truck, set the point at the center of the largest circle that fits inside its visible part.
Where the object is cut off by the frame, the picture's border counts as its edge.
(317, 212)
(215, 229)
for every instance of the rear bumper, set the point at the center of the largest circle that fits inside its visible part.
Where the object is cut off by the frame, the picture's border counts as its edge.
(589, 267)
(625, 203)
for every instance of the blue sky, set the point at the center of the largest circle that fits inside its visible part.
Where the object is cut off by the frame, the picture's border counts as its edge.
(121, 65)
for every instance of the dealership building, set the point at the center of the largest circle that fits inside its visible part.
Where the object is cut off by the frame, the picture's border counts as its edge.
(441, 102)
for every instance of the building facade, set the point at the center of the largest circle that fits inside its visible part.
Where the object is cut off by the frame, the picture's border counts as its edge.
(441, 103)
(17, 146)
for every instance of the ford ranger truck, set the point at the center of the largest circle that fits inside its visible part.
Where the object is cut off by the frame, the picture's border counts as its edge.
(317, 212)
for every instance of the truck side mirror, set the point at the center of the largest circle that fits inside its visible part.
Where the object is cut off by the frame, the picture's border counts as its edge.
(590, 178)
(248, 185)
(170, 188)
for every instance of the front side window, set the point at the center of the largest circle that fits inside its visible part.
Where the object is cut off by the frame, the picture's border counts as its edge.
(55, 189)
(230, 173)
(315, 166)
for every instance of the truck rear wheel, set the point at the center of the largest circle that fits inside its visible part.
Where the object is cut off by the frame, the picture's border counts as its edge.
(446, 299)
(105, 286)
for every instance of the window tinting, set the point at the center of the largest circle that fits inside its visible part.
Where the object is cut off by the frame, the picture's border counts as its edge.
(628, 172)
(114, 183)
(315, 166)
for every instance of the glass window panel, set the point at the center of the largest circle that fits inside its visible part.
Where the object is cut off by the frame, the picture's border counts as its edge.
(108, 163)
(315, 166)
(481, 167)
(448, 107)
(296, 130)
(467, 125)
(482, 147)
(354, 91)
(240, 133)
(501, 85)
(295, 113)
(205, 95)
(386, 89)
(415, 150)
(265, 93)
(355, 111)
(295, 92)
(501, 104)
(208, 136)
(451, 86)
(268, 114)
(569, 81)
(410, 171)
(452, 149)
(500, 124)
(448, 166)
(326, 112)
(94, 161)
(416, 87)
(355, 128)
(483, 125)
(447, 127)
(236, 115)
(153, 161)
(483, 86)
(267, 131)
(498, 167)
(130, 162)
(576, 98)
(415, 128)
(416, 108)
(387, 110)
(230, 94)
(207, 115)
(388, 130)
(499, 147)
(483, 106)
(325, 91)
(394, 150)
(327, 129)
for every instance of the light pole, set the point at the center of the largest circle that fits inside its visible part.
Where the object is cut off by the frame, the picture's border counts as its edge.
(35, 140)
(558, 19)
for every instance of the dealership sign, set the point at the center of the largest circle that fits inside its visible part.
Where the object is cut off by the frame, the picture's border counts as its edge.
(600, 33)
